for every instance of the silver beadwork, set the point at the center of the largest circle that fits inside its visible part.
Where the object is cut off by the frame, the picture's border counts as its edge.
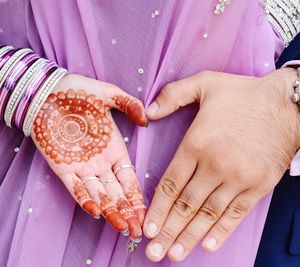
(11, 63)
(19, 90)
(220, 6)
(5, 49)
(41, 97)
(285, 17)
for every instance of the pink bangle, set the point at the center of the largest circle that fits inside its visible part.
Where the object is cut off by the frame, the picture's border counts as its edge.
(13, 78)
(6, 57)
(29, 93)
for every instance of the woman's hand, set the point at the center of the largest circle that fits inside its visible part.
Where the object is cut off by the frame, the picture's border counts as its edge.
(77, 136)
(236, 150)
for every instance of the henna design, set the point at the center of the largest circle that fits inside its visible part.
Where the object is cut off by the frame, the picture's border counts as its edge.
(84, 199)
(130, 216)
(132, 108)
(136, 200)
(111, 214)
(72, 126)
(135, 197)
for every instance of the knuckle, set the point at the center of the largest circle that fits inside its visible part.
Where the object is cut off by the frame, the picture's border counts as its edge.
(189, 238)
(167, 234)
(211, 210)
(224, 228)
(157, 212)
(238, 210)
(169, 187)
(185, 207)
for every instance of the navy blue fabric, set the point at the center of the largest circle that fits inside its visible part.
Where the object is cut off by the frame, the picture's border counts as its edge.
(280, 242)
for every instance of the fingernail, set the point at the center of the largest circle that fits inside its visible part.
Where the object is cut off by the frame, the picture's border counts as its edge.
(210, 243)
(97, 217)
(151, 228)
(177, 250)
(151, 110)
(156, 249)
(125, 233)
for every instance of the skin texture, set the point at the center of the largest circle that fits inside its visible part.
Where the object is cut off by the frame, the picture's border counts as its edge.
(76, 134)
(235, 152)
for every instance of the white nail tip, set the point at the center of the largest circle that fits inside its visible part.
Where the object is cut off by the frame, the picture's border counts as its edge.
(156, 250)
(151, 229)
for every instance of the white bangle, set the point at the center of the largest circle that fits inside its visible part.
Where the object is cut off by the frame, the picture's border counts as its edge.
(5, 49)
(10, 64)
(41, 97)
(19, 90)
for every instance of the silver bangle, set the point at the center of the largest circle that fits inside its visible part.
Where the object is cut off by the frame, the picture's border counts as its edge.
(41, 97)
(19, 90)
(10, 64)
(5, 49)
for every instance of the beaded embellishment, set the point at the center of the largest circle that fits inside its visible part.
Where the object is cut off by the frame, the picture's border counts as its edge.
(284, 15)
(220, 6)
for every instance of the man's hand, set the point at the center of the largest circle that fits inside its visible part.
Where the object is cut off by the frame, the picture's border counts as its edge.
(236, 150)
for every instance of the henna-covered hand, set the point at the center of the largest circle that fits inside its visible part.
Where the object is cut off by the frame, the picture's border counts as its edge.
(76, 134)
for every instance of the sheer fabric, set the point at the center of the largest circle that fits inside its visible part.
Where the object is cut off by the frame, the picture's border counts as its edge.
(139, 46)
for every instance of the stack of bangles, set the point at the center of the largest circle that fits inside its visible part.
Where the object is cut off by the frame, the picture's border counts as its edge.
(26, 80)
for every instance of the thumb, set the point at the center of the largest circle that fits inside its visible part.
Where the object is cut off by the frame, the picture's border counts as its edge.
(174, 96)
(131, 106)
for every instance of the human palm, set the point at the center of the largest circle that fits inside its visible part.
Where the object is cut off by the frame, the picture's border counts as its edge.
(76, 134)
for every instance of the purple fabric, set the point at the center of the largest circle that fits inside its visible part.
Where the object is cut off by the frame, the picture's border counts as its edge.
(110, 40)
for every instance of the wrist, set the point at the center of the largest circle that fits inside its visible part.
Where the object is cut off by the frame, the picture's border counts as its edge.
(286, 89)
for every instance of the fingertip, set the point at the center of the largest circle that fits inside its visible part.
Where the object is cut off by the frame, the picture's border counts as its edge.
(92, 208)
(209, 244)
(135, 228)
(154, 252)
(152, 110)
(150, 229)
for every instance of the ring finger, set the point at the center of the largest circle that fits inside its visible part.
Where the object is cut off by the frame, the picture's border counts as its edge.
(125, 172)
(208, 214)
(108, 208)
(115, 191)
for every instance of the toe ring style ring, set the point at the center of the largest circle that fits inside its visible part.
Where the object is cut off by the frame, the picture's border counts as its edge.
(90, 179)
(123, 166)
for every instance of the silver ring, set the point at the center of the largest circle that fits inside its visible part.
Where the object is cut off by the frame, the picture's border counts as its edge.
(123, 166)
(90, 179)
(108, 181)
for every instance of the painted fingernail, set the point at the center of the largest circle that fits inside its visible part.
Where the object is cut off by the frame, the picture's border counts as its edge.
(125, 233)
(156, 249)
(151, 228)
(177, 250)
(210, 243)
(152, 109)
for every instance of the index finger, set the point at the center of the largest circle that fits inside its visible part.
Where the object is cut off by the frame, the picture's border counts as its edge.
(168, 190)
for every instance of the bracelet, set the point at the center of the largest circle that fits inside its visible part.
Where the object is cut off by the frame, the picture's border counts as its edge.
(41, 97)
(13, 78)
(19, 90)
(29, 92)
(26, 80)
(296, 85)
